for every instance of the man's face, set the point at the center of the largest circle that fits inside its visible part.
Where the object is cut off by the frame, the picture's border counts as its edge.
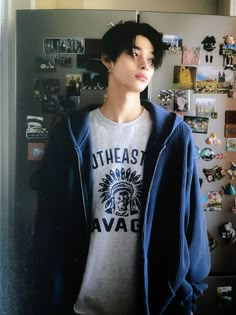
(121, 203)
(134, 72)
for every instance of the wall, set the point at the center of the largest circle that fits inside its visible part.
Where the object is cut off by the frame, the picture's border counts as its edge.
(7, 109)
(190, 6)
(7, 153)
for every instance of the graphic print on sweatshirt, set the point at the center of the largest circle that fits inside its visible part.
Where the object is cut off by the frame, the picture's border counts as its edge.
(121, 192)
(120, 198)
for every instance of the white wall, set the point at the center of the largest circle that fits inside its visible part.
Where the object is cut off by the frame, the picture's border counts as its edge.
(189, 6)
(200, 6)
(7, 151)
(7, 102)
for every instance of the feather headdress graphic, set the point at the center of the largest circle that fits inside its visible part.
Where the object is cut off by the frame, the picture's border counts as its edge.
(121, 192)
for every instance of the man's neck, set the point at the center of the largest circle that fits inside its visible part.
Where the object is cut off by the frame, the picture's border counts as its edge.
(122, 110)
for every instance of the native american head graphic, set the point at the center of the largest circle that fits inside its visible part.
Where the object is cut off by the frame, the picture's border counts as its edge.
(121, 192)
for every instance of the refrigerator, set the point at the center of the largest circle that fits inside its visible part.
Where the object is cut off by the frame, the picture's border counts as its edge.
(58, 70)
(214, 108)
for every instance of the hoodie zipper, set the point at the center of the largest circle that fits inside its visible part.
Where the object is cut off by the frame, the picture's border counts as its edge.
(148, 198)
(82, 186)
(80, 171)
(144, 224)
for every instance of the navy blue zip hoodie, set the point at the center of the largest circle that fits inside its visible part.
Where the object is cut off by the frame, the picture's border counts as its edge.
(175, 245)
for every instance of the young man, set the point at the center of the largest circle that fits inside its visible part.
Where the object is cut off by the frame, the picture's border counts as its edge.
(120, 228)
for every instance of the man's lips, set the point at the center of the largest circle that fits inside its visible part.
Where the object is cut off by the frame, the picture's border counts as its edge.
(141, 77)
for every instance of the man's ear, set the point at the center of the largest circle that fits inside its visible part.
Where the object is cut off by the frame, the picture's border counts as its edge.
(106, 61)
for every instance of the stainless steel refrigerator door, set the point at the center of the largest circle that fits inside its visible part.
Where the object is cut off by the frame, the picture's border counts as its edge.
(33, 27)
(193, 28)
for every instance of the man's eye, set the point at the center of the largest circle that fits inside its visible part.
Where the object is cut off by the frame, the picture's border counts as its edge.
(134, 54)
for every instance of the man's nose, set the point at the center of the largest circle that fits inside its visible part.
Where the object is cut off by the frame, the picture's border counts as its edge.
(144, 64)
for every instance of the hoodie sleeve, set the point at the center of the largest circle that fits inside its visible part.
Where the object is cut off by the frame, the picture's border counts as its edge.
(48, 225)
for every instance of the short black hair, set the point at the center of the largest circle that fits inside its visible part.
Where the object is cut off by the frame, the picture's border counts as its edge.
(121, 37)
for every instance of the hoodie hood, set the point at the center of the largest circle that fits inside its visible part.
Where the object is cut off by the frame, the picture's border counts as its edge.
(78, 125)
(164, 122)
